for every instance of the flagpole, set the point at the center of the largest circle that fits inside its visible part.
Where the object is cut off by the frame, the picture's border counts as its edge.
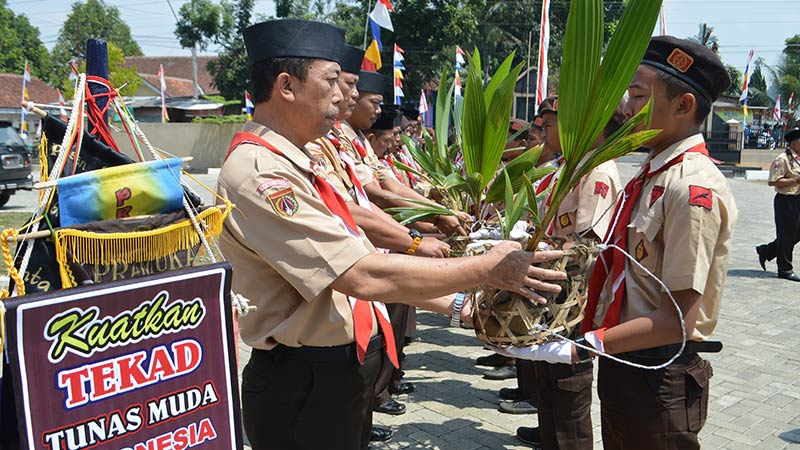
(528, 77)
(23, 125)
(366, 25)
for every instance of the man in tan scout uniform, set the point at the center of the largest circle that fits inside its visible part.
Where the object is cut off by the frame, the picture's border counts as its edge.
(676, 218)
(304, 264)
(378, 179)
(784, 175)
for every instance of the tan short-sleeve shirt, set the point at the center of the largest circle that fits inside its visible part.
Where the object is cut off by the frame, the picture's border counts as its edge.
(591, 203)
(286, 247)
(680, 230)
(368, 168)
(787, 166)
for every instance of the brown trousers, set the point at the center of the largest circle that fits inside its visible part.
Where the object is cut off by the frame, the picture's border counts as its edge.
(564, 400)
(653, 410)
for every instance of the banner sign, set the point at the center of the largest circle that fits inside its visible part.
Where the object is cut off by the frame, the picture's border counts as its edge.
(143, 364)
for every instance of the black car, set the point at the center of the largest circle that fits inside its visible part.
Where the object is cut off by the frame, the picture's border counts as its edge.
(15, 163)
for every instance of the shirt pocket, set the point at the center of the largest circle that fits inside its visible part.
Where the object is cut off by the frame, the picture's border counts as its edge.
(642, 234)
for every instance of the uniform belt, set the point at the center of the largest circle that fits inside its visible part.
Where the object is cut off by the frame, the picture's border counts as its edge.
(346, 352)
(666, 352)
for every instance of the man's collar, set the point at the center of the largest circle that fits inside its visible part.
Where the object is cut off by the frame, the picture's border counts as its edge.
(674, 150)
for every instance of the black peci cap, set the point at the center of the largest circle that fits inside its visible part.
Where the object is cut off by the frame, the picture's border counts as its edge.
(410, 113)
(389, 118)
(350, 59)
(293, 38)
(793, 135)
(372, 82)
(550, 104)
(690, 62)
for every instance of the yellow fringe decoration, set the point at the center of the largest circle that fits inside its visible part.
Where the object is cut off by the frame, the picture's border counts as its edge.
(88, 247)
(44, 170)
(10, 233)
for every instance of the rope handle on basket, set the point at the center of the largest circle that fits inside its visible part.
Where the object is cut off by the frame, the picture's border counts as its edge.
(674, 303)
(10, 233)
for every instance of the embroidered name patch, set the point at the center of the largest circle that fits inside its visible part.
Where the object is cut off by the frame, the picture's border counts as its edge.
(277, 183)
(564, 220)
(656, 194)
(641, 252)
(601, 188)
(284, 202)
(680, 60)
(700, 196)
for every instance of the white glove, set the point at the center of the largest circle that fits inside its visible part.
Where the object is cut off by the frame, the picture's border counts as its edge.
(552, 352)
(486, 233)
(518, 232)
(482, 244)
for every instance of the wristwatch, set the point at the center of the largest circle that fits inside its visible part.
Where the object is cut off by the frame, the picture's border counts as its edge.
(458, 305)
(583, 354)
(416, 237)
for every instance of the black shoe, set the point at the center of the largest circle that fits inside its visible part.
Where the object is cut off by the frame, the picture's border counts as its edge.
(529, 436)
(401, 388)
(411, 339)
(390, 406)
(791, 276)
(510, 393)
(517, 407)
(761, 258)
(494, 360)
(380, 434)
(501, 373)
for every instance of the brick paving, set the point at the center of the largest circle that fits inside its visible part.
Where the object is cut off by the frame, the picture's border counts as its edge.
(755, 392)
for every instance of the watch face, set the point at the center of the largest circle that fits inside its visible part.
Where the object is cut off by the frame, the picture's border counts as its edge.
(414, 233)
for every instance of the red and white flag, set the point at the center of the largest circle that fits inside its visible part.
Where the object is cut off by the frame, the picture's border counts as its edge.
(380, 14)
(61, 105)
(423, 102)
(776, 112)
(164, 115)
(544, 45)
(663, 21)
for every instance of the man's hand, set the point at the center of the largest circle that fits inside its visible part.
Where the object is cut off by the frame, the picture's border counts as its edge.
(513, 271)
(433, 248)
(552, 352)
(450, 225)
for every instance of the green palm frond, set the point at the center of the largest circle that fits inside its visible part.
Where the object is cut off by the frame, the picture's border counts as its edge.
(421, 211)
(520, 168)
(590, 89)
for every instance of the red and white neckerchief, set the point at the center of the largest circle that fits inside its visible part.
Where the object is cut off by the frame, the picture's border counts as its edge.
(350, 167)
(362, 310)
(612, 261)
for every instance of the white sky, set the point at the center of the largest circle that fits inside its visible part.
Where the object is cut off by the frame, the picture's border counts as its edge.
(739, 24)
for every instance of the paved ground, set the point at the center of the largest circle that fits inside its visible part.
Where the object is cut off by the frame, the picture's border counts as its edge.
(755, 395)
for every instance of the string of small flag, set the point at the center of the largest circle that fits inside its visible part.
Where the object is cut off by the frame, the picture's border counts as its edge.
(26, 78)
(398, 74)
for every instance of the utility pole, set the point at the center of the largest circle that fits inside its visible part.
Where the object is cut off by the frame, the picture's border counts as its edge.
(194, 61)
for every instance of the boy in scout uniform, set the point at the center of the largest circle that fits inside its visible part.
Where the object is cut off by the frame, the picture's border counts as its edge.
(304, 264)
(676, 218)
(564, 391)
(784, 175)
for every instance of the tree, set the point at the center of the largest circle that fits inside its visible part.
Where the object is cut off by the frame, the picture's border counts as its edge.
(735, 89)
(757, 88)
(229, 70)
(787, 72)
(198, 24)
(92, 19)
(19, 41)
(705, 36)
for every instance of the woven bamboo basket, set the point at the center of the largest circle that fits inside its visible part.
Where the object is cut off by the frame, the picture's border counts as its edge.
(502, 318)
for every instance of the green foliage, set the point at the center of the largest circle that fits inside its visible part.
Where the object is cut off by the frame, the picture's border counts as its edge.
(758, 88)
(591, 89)
(199, 23)
(736, 81)
(19, 40)
(239, 118)
(118, 75)
(92, 19)
(229, 71)
(787, 73)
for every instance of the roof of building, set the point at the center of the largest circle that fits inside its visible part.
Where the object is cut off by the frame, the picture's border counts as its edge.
(177, 67)
(11, 91)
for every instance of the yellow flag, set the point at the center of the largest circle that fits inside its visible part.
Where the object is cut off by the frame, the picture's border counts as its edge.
(374, 54)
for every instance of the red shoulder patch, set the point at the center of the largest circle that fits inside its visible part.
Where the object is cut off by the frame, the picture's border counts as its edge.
(601, 188)
(656, 194)
(700, 196)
